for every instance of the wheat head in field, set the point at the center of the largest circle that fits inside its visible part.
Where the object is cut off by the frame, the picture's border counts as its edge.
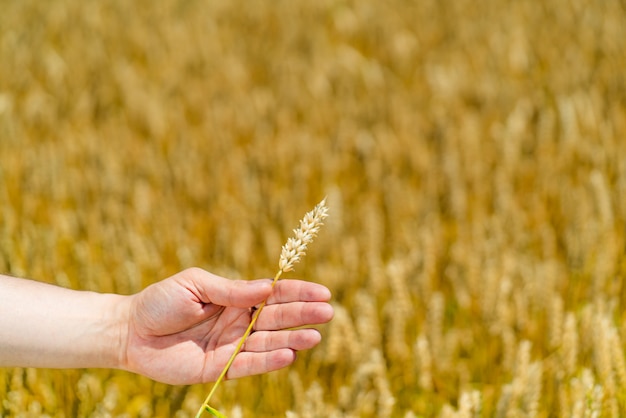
(474, 155)
(292, 252)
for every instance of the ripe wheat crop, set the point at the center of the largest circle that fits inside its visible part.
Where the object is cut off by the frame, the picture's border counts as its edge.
(473, 154)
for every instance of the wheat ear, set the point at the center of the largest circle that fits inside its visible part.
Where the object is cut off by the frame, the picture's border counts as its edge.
(292, 252)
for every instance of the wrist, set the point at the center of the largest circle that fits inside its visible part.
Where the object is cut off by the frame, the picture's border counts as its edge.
(116, 317)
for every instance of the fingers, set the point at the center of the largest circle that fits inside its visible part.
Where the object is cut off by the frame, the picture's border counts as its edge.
(301, 339)
(267, 351)
(294, 303)
(248, 364)
(290, 290)
(294, 314)
(209, 288)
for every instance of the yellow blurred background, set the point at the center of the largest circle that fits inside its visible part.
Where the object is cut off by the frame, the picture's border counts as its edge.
(474, 158)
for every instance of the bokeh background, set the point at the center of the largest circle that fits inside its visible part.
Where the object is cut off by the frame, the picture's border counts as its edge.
(474, 158)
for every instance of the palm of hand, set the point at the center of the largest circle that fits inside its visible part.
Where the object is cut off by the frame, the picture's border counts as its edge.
(182, 340)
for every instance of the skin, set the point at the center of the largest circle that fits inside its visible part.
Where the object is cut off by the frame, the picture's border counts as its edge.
(181, 330)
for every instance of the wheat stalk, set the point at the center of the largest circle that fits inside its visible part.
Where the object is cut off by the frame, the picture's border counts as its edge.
(292, 252)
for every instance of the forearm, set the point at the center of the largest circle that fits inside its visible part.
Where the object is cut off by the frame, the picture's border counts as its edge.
(42, 325)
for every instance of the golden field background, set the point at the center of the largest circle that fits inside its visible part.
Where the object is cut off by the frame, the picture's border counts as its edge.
(473, 155)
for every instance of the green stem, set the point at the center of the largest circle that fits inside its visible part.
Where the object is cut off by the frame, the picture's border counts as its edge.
(243, 339)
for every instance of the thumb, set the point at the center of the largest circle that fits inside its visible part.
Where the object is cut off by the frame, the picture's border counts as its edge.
(225, 292)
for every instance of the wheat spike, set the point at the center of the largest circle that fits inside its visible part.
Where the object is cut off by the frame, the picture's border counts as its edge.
(296, 247)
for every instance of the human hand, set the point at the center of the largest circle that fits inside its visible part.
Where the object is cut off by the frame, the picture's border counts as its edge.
(183, 329)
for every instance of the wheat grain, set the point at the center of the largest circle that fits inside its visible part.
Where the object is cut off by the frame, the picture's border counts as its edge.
(602, 354)
(297, 389)
(570, 345)
(343, 345)
(534, 387)
(424, 363)
(314, 402)
(555, 318)
(367, 323)
(617, 359)
(435, 317)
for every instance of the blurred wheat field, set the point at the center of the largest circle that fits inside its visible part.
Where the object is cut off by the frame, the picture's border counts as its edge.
(474, 158)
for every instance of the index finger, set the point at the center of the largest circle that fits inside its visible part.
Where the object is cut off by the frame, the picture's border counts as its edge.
(291, 290)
